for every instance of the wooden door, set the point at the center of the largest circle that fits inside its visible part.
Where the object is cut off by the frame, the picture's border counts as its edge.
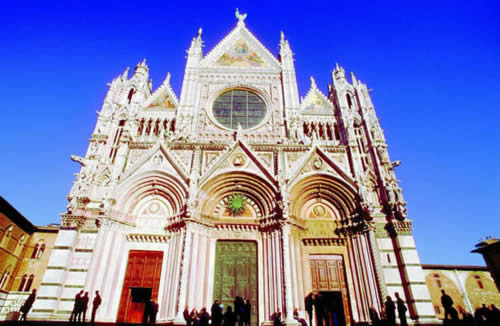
(328, 275)
(236, 274)
(143, 271)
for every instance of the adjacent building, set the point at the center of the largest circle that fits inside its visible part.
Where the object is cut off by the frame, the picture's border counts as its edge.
(24, 254)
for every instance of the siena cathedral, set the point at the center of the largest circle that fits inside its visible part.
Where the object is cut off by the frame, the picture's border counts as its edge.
(239, 187)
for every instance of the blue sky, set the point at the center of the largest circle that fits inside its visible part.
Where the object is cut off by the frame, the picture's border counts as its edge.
(433, 67)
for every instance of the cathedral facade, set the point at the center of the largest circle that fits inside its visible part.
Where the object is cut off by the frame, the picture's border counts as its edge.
(239, 187)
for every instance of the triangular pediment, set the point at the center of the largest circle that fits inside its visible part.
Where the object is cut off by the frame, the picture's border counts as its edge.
(158, 159)
(240, 49)
(163, 98)
(316, 103)
(238, 157)
(316, 161)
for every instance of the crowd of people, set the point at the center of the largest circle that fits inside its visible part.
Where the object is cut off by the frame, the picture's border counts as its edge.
(242, 314)
(80, 307)
(483, 316)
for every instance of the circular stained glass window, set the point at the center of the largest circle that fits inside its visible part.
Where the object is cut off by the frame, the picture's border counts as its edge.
(239, 107)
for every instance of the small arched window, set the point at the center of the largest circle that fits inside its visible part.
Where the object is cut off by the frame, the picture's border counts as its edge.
(4, 280)
(23, 283)
(40, 251)
(349, 100)
(35, 252)
(130, 95)
(29, 283)
(6, 238)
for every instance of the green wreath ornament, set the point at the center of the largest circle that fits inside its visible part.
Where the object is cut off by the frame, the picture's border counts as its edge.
(236, 204)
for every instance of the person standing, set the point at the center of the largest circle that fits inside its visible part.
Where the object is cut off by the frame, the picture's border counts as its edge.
(390, 311)
(204, 317)
(309, 302)
(95, 304)
(216, 313)
(401, 310)
(82, 310)
(76, 306)
(374, 316)
(247, 312)
(27, 305)
(318, 307)
(229, 317)
(447, 303)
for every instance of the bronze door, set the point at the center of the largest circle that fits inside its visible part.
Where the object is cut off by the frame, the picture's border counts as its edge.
(328, 276)
(236, 274)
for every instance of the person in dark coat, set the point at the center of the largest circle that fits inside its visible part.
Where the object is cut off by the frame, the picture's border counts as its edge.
(447, 303)
(27, 305)
(318, 307)
(153, 312)
(247, 312)
(401, 310)
(187, 317)
(204, 317)
(390, 311)
(76, 306)
(216, 313)
(229, 317)
(276, 318)
(147, 312)
(95, 304)
(84, 303)
(309, 303)
(374, 316)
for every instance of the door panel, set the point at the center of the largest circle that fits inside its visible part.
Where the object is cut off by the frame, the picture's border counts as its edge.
(236, 273)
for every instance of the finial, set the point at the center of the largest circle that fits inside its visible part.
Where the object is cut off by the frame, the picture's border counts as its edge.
(241, 17)
(337, 66)
(199, 32)
(282, 36)
(313, 82)
(168, 77)
(143, 62)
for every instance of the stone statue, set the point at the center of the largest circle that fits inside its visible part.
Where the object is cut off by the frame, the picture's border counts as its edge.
(241, 17)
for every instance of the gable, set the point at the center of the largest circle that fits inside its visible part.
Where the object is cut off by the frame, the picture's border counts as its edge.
(318, 162)
(315, 105)
(315, 102)
(240, 55)
(241, 49)
(163, 98)
(237, 158)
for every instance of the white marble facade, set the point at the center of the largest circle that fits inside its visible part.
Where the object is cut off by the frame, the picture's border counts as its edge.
(161, 173)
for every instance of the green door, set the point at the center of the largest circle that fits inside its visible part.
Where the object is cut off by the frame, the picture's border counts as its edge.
(236, 274)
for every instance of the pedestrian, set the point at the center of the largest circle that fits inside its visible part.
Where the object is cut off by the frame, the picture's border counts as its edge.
(82, 309)
(27, 305)
(187, 317)
(247, 312)
(390, 311)
(95, 304)
(229, 317)
(447, 303)
(374, 316)
(76, 307)
(318, 307)
(309, 302)
(153, 312)
(401, 310)
(204, 317)
(216, 313)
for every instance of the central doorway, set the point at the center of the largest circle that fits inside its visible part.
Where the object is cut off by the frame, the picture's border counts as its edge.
(236, 274)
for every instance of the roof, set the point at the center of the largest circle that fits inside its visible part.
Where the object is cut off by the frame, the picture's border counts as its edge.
(455, 267)
(486, 245)
(17, 218)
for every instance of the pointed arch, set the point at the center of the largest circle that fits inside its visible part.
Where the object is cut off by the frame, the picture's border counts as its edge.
(259, 191)
(157, 183)
(339, 196)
